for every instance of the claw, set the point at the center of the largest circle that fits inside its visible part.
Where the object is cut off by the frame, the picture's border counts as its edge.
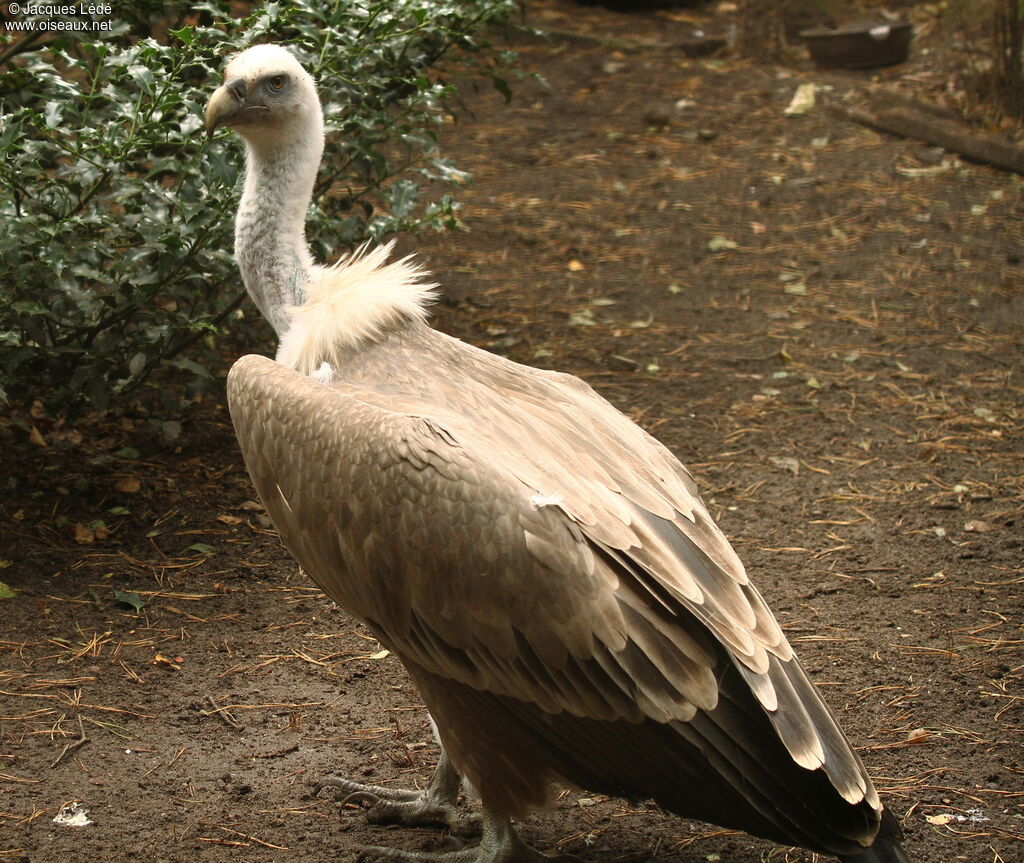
(499, 844)
(367, 797)
(367, 793)
(436, 806)
(377, 854)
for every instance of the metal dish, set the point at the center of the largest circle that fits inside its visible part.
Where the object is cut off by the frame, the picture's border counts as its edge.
(859, 46)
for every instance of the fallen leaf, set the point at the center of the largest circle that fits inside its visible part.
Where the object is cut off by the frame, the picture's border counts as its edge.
(6, 591)
(786, 463)
(84, 536)
(34, 437)
(131, 599)
(803, 100)
(918, 735)
(721, 244)
(128, 485)
(380, 654)
(582, 318)
(224, 518)
(201, 547)
(574, 266)
(170, 430)
(164, 662)
(938, 820)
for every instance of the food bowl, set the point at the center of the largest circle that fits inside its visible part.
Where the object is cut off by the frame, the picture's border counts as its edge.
(859, 46)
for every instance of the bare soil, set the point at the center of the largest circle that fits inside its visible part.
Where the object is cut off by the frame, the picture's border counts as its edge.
(843, 376)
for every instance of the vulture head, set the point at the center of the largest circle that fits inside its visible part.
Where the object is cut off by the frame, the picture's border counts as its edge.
(268, 98)
(272, 103)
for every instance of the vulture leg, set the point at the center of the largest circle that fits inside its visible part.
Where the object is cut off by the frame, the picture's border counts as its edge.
(499, 844)
(433, 807)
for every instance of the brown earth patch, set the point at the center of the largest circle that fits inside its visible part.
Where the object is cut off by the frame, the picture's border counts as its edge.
(824, 323)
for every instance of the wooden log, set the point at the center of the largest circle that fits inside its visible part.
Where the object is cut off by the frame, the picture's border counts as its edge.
(953, 135)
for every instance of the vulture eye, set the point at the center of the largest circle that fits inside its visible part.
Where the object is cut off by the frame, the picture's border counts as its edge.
(277, 83)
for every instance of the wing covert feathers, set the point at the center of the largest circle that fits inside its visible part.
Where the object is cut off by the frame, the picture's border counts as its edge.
(539, 561)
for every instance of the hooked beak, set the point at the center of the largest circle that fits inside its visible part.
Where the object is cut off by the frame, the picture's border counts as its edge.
(231, 105)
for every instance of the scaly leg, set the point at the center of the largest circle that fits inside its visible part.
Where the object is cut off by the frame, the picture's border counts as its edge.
(499, 844)
(435, 806)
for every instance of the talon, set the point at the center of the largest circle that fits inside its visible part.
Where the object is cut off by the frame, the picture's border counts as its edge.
(367, 797)
(369, 853)
(437, 805)
(499, 844)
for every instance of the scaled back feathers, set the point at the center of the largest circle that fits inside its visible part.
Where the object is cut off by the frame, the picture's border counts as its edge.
(354, 301)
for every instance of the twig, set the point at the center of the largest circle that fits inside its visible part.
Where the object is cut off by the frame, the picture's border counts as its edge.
(222, 712)
(73, 745)
(958, 137)
(20, 46)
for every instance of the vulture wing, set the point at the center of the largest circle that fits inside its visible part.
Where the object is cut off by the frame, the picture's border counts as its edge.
(553, 583)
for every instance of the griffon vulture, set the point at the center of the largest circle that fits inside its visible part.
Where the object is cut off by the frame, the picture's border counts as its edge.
(545, 570)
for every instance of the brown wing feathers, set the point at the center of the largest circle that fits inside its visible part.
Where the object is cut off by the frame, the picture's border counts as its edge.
(614, 634)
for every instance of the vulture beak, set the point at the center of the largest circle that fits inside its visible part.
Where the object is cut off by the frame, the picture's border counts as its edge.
(231, 104)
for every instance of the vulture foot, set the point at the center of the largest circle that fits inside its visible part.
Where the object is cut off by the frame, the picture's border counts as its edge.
(437, 806)
(499, 844)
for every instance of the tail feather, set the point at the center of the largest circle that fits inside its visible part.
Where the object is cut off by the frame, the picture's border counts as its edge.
(882, 851)
(886, 848)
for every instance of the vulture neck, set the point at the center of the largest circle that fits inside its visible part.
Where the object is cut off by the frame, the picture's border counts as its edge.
(270, 236)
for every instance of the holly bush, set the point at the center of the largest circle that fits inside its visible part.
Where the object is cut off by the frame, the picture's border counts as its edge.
(115, 256)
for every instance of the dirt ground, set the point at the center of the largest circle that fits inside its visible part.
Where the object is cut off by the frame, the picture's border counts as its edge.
(826, 324)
